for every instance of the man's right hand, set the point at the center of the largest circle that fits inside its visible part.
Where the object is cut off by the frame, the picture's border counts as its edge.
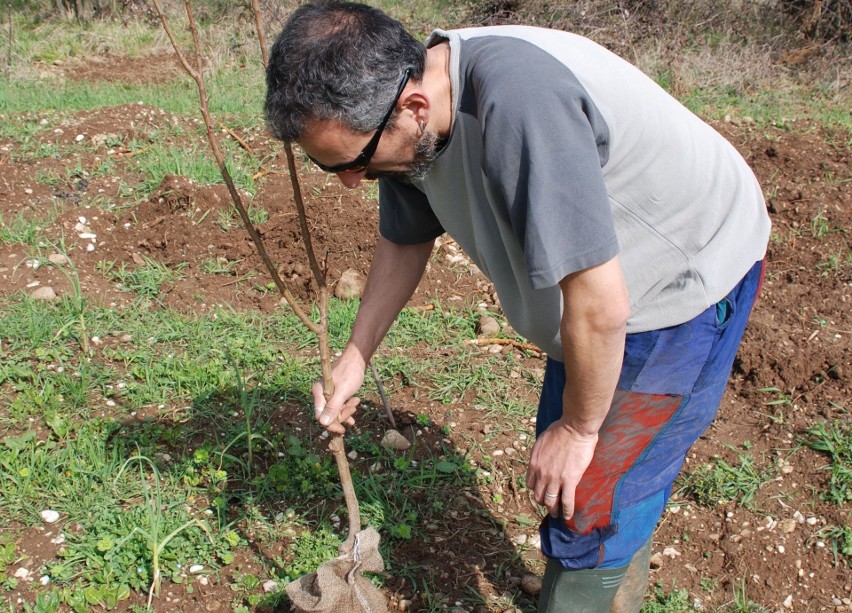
(347, 375)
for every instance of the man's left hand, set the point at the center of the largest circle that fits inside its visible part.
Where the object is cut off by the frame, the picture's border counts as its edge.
(559, 458)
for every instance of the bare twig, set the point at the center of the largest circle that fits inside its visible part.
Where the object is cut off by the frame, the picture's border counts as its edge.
(384, 396)
(319, 329)
(12, 37)
(503, 341)
(261, 33)
(198, 77)
(237, 138)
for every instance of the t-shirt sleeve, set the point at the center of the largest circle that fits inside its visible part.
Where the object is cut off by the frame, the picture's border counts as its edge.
(545, 144)
(405, 216)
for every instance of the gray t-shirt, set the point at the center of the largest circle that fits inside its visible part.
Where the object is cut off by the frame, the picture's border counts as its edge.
(561, 156)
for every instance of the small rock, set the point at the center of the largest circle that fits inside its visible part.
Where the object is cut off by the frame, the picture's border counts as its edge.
(671, 552)
(352, 455)
(79, 137)
(44, 293)
(49, 516)
(58, 258)
(404, 605)
(520, 539)
(787, 525)
(195, 569)
(497, 453)
(394, 440)
(488, 326)
(270, 586)
(799, 517)
(657, 560)
(531, 584)
(811, 521)
(350, 285)
(22, 573)
(535, 541)
(788, 602)
(44, 579)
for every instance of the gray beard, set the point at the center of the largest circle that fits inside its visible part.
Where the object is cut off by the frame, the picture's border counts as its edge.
(426, 151)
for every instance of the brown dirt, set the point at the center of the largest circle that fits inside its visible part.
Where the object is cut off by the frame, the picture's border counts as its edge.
(798, 342)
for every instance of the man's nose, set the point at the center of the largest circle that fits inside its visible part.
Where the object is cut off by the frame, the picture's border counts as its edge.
(351, 179)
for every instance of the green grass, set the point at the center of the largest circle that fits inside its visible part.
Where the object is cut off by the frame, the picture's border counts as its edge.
(233, 92)
(718, 481)
(206, 448)
(28, 230)
(146, 280)
(196, 163)
(834, 439)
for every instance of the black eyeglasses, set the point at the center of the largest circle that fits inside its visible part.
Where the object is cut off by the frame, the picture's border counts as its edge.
(363, 159)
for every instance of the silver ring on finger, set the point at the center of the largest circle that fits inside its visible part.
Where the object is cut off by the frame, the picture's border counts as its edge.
(551, 495)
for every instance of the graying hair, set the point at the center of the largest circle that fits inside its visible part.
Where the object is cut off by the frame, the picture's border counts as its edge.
(337, 61)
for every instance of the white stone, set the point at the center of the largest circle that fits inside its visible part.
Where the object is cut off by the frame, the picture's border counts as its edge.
(22, 573)
(49, 516)
(58, 258)
(488, 326)
(350, 285)
(270, 586)
(788, 602)
(79, 137)
(531, 584)
(394, 440)
(671, 552)
(196, 568)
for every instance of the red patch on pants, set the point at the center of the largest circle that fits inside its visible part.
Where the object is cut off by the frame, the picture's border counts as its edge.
(630, 426)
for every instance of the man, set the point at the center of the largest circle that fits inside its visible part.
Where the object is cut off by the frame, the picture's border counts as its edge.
(624, 236)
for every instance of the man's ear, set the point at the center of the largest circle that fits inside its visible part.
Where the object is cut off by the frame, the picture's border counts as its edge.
(417, 104)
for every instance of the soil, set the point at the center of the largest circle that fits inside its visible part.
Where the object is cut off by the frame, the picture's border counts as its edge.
(796, 349)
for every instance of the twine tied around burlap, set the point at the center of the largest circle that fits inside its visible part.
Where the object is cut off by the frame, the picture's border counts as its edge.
(338, 585)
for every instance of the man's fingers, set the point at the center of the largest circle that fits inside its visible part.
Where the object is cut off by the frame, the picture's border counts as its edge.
(348, 411)
(328, 415)
(333, 419)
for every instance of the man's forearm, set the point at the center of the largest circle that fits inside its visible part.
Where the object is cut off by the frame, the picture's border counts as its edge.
(593, 335)
(394, 275)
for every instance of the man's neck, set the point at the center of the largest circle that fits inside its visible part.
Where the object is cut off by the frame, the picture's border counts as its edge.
(436, 78)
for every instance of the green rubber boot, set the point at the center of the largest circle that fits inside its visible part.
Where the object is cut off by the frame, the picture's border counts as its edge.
(597, 590)
(631, 593)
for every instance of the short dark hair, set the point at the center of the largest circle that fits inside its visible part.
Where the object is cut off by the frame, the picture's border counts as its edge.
(340, 61)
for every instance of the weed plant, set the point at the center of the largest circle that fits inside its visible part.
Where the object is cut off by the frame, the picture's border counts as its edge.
(835, 440)
(718, 481)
